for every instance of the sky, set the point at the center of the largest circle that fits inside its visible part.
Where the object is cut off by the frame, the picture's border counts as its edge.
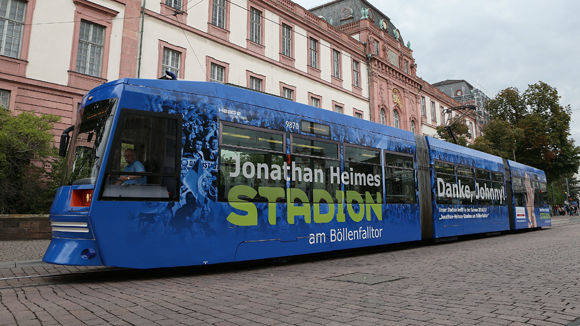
(492, 44)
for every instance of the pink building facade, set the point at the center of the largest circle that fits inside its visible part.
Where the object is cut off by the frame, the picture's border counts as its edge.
(62, 48)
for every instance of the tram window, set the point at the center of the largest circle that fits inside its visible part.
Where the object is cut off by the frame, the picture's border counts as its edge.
(144, 158)
(540, 194)
(315, 128)
(483, 180)
(233, 171)
(311, 147)
(320, 177)
(482, 174)
(312, 161)
(250, 138)
(497, 179)
(466, 175)
(519, 192)
(251, 157)
(365, 165)
(399, 179)
(445, 171)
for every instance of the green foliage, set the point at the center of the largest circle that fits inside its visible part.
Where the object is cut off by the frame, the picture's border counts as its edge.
(459, 129)
(507, 106)
(531, 128)
(29, 171)
(499, 139)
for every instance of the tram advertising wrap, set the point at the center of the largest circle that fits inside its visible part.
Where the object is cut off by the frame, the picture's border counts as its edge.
(176, 173)
(529, 189)
(467, 200)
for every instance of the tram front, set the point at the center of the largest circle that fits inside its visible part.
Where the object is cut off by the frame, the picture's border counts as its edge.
(73, 241)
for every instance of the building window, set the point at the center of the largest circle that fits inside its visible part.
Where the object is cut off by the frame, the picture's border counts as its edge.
(171, 61)
(413, 126)
(338, 108)
(383, 117)
(218, 15)
(442, 115)
(286, 40)
(406, 66)
(358, 114)
(314, 100)
(174, 4)
(423, 108)
(396, 122)
(376, 47)
(393, 58)
(90, 51)
(255, 83)
(355, 73)
(433, 113)
(335, 64)
(255, 25)
(288, 93)
(12, 13)
(4, 99)
(217, 73)
(313, 45)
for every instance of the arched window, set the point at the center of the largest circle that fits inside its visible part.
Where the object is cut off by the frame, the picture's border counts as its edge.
(396, 123)
(383, 117)
(413, 126)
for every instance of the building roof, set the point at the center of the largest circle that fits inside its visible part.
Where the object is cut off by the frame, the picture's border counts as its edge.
(356, 15)
(452, 81)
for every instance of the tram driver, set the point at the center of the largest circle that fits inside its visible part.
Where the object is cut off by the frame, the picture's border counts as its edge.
(133, 165)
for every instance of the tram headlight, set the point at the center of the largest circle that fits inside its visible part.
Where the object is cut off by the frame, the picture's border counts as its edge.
(81, 197)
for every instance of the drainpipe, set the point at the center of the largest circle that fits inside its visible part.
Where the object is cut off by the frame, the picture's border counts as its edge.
(370, 90)
(141, 39)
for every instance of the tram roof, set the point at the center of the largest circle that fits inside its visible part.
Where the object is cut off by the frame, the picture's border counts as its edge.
(247, 96)
(526, 168)
(462, 150)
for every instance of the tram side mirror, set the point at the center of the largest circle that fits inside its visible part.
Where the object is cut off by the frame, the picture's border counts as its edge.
(64, 140)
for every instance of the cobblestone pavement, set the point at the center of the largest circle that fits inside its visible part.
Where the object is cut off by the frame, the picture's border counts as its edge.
(530, 278)
(22, 250)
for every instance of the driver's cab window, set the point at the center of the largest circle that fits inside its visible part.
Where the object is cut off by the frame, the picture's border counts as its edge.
(143, 161)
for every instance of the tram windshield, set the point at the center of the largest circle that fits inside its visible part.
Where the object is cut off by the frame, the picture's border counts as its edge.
(88, 144)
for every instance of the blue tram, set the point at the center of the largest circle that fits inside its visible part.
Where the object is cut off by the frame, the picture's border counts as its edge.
(174, 173)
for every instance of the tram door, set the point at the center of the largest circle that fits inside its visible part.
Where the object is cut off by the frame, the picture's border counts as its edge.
(139, 189)
(509, 201)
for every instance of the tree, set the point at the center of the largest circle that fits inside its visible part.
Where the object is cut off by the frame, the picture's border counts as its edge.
(532, 128)
(28, 167)
(507, 106)
(500, 139)
(459, 129)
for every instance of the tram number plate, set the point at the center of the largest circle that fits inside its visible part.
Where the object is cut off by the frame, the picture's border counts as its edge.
(292, 125)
